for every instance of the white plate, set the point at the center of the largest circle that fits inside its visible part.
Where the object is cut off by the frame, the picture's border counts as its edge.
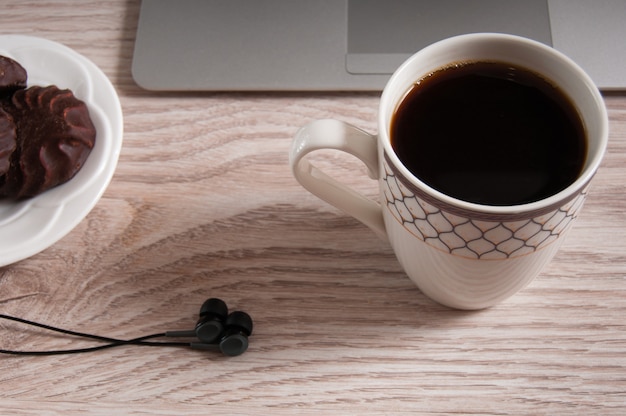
(30, 226)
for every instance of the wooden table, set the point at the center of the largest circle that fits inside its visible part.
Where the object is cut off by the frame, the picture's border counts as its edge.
(203, 204)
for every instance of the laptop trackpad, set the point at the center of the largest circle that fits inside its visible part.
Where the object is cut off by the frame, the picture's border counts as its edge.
(384, 33)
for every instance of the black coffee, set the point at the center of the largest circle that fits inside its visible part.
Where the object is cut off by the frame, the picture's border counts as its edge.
(490, 133)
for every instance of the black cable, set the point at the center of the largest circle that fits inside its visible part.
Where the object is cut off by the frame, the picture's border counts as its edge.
(111, 342)
(136, 341)
(60, 330)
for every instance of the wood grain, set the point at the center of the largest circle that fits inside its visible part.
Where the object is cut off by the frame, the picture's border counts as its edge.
(203, 204)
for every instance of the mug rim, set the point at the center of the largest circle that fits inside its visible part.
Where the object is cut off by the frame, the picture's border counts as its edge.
(542, 205)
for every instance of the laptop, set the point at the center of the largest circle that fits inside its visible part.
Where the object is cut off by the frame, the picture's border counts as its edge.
(351, 45)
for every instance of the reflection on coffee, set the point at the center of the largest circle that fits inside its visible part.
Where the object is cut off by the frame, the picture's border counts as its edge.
(490, 133)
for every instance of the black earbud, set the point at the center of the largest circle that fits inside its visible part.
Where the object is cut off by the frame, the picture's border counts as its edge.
(215, 328)
(210, 325)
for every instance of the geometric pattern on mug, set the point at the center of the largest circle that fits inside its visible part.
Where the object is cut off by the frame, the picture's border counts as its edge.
(472, 238)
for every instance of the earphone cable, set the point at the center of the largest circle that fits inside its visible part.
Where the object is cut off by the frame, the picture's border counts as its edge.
(59, 330)
(111, 342)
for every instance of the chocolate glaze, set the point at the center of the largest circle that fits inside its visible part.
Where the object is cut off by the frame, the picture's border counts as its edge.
(12, 75)
(8, 136)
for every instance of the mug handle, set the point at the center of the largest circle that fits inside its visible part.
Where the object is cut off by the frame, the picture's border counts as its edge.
(337, 135)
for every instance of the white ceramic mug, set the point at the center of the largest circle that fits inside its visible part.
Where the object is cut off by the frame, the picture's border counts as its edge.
(460, 254)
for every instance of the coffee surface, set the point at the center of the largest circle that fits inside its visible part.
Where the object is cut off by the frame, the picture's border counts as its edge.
(490, 133)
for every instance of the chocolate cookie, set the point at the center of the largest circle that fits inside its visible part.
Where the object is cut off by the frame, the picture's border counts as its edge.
(12, 75)
(54, 138)
(8, 136)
